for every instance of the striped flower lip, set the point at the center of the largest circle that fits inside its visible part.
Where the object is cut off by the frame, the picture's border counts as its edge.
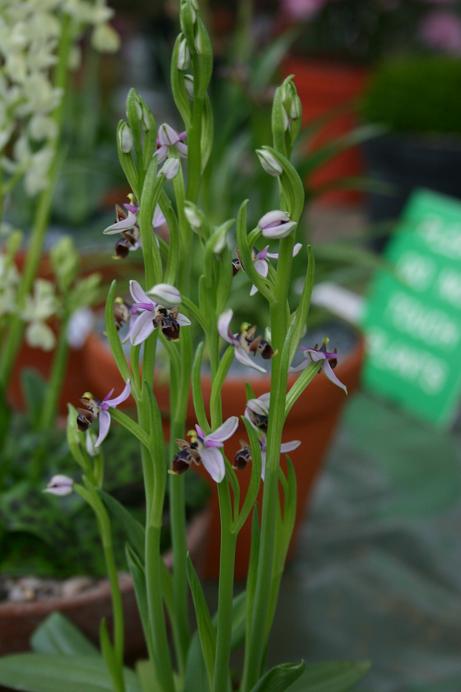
(327, 360)
(257, 411)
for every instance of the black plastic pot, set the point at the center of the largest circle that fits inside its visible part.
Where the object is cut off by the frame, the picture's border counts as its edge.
(405, 162)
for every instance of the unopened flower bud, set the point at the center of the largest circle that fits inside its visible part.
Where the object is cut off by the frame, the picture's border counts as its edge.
(60, 485)
(170, 168)
(165, 295)
(125, 138)
(194, 216)
(269, 162)
(183, 55)
(276, 224)
(189, 84)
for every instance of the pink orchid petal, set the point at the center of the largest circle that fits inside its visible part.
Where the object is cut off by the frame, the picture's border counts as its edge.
(329, 373)
(104, 425)
(260, 405)
(183, 321)
(289, 446)
(223, 433)
(261, 267)
(122, 225)
(315, 356)
(263, 464)
(138, 294)
(280, 231)
(213, 461)
(161, 154)
(200, 431)
(123, 396)
(243, 358)
(159, 218)
(224, 321)
(141, 328)
(301, 366)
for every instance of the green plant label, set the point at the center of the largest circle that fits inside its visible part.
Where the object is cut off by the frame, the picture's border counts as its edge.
(412, 319)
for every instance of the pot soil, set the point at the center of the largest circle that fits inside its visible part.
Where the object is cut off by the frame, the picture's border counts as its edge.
(86, 609)
(312, 420)
(323, 88)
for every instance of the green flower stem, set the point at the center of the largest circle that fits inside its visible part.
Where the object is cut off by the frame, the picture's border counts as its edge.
(56, 378)
(42, 213)
(154, 468)
(228, 545)
(178, 414)
(258, 613)
(226, 591)
(90, 495)
(194, 150)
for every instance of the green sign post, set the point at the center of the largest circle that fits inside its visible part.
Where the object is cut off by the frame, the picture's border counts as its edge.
(412, 319)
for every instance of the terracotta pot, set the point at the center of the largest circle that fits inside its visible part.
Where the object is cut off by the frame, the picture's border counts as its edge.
(19, 620)
(312, 420)
(323, 87)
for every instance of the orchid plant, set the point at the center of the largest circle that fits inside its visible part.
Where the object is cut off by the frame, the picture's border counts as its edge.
(164, 169)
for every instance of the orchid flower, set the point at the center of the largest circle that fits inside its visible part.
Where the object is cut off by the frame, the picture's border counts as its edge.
(104, 407)
(149, 313)
(257, 411)
(209, 447)
(328, 361)
(60, 485)
(170, 142)
(238, 341)
(261, 264)
(127, 220)
(276, 224)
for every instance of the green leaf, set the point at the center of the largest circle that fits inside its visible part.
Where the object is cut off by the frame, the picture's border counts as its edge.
(279, 678)
(334, 676)
(46, 673)
(133, 529)
(197, 396)
(206, 630)
(253, 486)
(139, 582)
(34, 389)
(5, 418)
(56, 635)
(110, 656)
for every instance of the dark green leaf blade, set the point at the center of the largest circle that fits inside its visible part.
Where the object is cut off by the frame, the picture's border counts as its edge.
(57, 635)
(279, 678)
(46, 673)
(333, 676)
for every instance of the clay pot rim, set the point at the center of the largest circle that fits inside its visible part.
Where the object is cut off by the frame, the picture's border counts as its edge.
(196, 530)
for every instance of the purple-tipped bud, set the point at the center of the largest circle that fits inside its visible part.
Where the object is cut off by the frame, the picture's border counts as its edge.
(276, 224)
(167, 136)
(269, 162)
(165, 295)
(60, 485)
